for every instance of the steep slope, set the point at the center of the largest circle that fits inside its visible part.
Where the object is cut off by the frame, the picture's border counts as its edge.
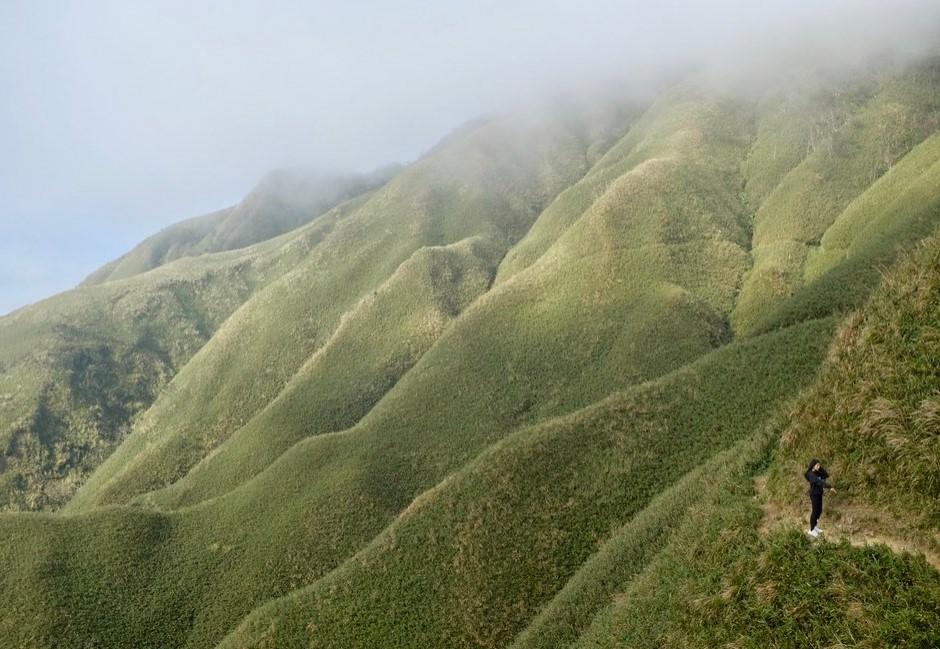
(632, 547)
(859, 130)
(282, 201)
(373, 347)
(883, 441)
(351, 609)
(689, 136)
(719, 580)
(888, 218)
(78, 368)
(203, 570)
(587, 334)
(352, 483)
(469, 562)
(520, 395)
(491, 182)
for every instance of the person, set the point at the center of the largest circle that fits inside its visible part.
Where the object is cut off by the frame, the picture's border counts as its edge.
(816, 476)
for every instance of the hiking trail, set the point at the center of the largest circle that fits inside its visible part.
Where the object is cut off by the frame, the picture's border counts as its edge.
(858, 523)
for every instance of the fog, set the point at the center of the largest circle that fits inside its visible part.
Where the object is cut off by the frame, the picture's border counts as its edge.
(118, 118)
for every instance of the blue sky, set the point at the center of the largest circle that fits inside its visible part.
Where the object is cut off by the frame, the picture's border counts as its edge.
(119, 118)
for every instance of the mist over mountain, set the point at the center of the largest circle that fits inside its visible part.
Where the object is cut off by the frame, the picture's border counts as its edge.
(552, 381)
(122, 119)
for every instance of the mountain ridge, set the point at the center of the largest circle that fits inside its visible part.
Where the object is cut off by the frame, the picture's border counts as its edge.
(519, 395)
(282, 201)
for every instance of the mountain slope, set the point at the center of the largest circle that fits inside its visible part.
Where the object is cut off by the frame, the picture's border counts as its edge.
(867, 128)
(490, 183)
(473, 558)
(282, 201)
(721, 580)
(78, 368)
(883, 440)
(566, 373)
(520, 394)
(373, 347)
(889, 217)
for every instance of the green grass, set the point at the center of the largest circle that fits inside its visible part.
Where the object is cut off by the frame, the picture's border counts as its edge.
(868, 415)
(469, 562)
(783, 128)
(632, 548)
(860, 131)
(590, 335)
(718, 583)
(882, 440)
(469, 187)
(515, 397)
(374, 346)
(896, 212)
(558, 354)
(198, 571)
(684, 132)
(867, 212)
(80, 367)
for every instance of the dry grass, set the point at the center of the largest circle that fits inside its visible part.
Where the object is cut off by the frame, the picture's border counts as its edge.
(858, 523)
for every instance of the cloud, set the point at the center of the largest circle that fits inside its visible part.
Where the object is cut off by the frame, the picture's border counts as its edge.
(119, 118)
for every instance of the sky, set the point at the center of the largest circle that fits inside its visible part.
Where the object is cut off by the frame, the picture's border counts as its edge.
(120, 118)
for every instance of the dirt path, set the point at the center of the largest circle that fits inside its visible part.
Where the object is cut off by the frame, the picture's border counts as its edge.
(842, 518)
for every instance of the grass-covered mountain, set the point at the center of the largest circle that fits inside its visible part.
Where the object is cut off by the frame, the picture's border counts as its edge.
(78, 368)
(282, 201)
(552, 385)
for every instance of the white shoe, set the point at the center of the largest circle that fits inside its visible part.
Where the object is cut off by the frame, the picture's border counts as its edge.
(814, 533)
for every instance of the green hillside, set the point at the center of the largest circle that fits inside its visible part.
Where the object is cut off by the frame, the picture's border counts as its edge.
(724, 578)
(78, 368)
(882, 440)
(552, 385)
(472, 559)
(491, 183)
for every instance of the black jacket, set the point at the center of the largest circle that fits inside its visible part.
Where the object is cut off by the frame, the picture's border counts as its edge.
(817, 479)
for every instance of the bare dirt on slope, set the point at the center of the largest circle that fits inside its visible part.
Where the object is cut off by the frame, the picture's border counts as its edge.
(843, 518)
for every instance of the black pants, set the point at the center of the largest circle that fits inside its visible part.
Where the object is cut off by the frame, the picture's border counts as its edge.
(816, 500)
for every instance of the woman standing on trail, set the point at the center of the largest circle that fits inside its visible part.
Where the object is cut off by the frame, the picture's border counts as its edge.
(816, 475)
